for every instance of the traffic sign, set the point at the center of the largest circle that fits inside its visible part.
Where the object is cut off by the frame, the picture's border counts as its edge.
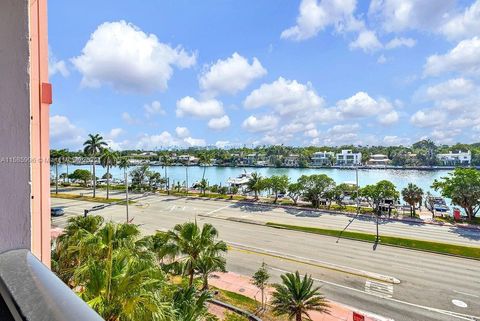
(358, 317)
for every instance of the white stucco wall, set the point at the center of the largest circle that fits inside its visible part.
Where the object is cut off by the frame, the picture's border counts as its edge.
(15, 221)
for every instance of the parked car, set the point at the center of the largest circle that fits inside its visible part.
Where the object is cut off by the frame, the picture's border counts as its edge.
(57, 211)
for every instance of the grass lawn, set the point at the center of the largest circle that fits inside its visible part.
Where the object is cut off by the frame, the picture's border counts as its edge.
(90, 198)
(441, 248)
(245, 303)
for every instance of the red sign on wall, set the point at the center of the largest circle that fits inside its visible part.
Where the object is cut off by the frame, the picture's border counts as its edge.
(358, 317)
(46, 93)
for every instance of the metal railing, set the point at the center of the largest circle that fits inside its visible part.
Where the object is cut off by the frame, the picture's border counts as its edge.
(29, 291)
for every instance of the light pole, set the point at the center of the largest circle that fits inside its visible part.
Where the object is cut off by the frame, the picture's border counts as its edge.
(126, 192)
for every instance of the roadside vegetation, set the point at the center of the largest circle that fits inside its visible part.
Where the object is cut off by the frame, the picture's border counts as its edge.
(124, 275)
(441, 248)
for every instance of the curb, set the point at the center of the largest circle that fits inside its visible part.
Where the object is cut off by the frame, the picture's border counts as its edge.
(233, 308)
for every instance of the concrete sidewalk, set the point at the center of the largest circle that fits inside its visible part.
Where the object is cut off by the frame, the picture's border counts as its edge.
(242, 284)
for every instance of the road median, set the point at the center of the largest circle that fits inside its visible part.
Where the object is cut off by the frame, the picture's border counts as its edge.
(419, 245)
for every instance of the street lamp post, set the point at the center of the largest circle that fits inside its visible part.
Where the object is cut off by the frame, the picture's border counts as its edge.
(126, 193)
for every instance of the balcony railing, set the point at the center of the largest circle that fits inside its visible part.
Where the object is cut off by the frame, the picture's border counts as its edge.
(29, 291)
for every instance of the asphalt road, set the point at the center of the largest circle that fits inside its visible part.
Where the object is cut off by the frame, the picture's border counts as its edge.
(349, 272)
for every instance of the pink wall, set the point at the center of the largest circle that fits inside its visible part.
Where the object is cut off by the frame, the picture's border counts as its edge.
(24, 132)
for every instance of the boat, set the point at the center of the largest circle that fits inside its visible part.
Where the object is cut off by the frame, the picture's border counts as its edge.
(437, 204)
(241, 180)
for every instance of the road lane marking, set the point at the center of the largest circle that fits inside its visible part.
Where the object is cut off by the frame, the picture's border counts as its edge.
(380, 289)
(464, 293)
(317, 263)
(440, 311)
(459, 303)
(219, 209)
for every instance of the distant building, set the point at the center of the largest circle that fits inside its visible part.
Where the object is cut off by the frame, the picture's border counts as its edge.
(378, 159)
(347, 157)
(455, 158)
(322, 158)
(291, 160)
(250, 159)
(187, 159)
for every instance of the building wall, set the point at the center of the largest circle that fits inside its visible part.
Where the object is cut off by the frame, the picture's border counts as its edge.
(24, 191)
(15, 223)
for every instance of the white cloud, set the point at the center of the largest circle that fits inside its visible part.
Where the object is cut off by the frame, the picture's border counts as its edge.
(189, 106)
(231, 75)
(367, 41)
(115, 133)
(261, 123)
(314, 16)
(219, 123)
(450, 88)
(152, 142)
(128, 59)
(388, 118)
(64, 134)
(129, 119)
(56, 66)
(154, 108)
(464, 58)
(285, 96)
(222, 143)
(382, 59)
(393, 140)
(428, 118)
(343, 129)
(312, 133)
(399, 42)
(465, 24)
(397, 16)
(362, 105)
(195, 142)
(182, 132)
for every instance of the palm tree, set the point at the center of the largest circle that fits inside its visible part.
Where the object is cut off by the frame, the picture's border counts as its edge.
(205, 159)
(208, 263)
(189, 305)
(412, 194)
(92, 147)
(123, 163)
(108, 158)
(55, 156)
(166, 161)
(115, 273)
(255, 183)
(296, 296)
(203, 185)
(192, 242)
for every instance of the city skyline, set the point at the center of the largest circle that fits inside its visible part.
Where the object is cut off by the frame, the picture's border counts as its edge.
(307, 73)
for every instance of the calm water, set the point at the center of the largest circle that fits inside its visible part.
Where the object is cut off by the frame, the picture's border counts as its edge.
(219, 175)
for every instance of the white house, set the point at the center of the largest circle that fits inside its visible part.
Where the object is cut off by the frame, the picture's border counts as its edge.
(291, 160)
(378, 159)
(187, 159)
(322, 158)
(455, 158)
(347, 157)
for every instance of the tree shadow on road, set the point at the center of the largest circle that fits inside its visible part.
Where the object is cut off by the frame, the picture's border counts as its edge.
(253, 207)
(470, 234)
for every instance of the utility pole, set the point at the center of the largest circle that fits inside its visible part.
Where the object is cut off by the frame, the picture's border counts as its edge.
(186, 180)
(126, 192)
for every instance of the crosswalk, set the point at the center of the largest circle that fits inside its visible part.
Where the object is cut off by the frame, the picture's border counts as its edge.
(383, 290)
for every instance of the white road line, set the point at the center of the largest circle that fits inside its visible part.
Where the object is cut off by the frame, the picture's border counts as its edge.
(379, 289)
(464, 293)
(445, 312)
(219, 209)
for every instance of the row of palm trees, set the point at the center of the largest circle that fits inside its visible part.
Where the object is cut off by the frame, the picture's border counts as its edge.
(126, 276)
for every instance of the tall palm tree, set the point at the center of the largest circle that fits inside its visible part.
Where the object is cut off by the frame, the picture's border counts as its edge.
(255, 183)
(296, 296)
(208, 263)
(55, 156)
(204, 159)
(166, 161)
(123, 163)
(108, 158)
(191, 242)
(115, 273)
(92, 147)
(412, 194)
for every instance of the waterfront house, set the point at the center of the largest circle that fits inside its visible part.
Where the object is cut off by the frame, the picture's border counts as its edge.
(250, 159)
(187, 159)
(378, 159)
(455, 158)
(322, 158)
(291, 160)
(348, 158)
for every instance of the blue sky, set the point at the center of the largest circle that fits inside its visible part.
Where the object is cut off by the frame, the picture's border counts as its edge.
(227, 73)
